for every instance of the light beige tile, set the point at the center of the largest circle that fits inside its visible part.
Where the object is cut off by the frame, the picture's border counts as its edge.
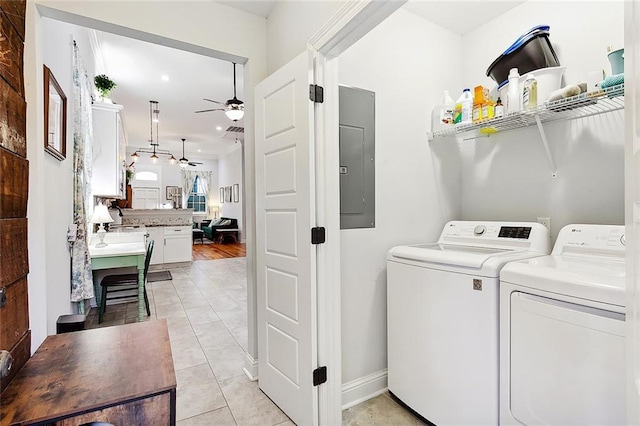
(179, 328)
(227, 361)
(222, 304)
(174, 310)
(221, 417)
(202, 315)
(198, 392)
(193, 300)
(234, 319)
(165, 298)
(381, 410)
(214, 334)
(186, 353)
(286, 423)
(241, 335)
(249, 405)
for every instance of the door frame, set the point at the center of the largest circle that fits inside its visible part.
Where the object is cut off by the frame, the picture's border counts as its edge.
(348, 25)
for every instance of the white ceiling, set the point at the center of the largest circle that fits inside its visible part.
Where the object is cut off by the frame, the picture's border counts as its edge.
(137, 67)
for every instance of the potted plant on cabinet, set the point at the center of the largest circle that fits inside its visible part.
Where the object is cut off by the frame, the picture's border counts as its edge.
(104, 86)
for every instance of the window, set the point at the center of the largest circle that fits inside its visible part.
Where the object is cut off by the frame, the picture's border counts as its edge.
(146, 176)
(197, 200)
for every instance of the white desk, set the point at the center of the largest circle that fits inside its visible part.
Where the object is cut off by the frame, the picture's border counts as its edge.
(123, 250)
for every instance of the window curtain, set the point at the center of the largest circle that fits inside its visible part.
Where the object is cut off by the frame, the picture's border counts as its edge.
(206, 177)
(188, 178)
(81, 273)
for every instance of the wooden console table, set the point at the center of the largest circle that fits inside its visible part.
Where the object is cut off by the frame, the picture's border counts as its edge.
(121, 375)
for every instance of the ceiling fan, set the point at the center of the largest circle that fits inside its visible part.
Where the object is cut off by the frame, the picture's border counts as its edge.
(183, 162)
(233, 108)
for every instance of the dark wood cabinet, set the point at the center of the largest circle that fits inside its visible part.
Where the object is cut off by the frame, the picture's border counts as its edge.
(15, 336)
(121, 375)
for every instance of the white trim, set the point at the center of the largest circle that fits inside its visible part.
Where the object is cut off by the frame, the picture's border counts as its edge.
(364, 388)
(250, 367)
(355, 19)
(349, 24)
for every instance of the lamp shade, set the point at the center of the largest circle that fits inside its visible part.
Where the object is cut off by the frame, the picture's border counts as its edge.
(101, 214)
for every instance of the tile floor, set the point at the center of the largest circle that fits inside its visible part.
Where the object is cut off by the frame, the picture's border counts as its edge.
(205, 308)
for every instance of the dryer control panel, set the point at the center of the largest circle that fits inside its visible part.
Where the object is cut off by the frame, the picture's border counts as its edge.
(527, 235)
(586, 239)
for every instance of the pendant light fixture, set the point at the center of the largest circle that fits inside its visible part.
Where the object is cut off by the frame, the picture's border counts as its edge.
(154, 144)
(183, 162)
(234, 109)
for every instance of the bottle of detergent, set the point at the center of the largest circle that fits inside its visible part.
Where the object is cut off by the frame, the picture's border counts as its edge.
(464, 108)
(530, 93)
(442, 115)
(514, 95)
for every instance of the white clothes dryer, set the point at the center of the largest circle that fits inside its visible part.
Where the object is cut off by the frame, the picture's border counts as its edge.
(442, 316)
(562, 332)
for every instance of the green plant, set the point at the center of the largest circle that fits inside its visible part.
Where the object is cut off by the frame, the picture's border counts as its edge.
(104, 84)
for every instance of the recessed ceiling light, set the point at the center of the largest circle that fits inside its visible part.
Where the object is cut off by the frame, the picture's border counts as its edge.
(219, 128)
(199, 150)
(164, 77)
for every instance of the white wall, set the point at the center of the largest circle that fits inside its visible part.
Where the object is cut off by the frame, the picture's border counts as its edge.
(406, 63)
(200, 24)
(230, 174)
(291, 24)
(56, 178)
(507, 176)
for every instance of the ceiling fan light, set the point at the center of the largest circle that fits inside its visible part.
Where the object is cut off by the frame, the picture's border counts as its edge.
(183, 162)
(235, 113)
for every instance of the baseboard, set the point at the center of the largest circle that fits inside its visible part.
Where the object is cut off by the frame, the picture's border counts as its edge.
(364, 388)
(250, 367)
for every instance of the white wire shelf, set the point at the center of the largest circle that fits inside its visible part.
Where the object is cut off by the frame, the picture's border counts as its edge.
(580, 106)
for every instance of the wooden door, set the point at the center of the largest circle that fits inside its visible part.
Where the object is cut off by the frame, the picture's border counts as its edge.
(15, 335)
(286, 259)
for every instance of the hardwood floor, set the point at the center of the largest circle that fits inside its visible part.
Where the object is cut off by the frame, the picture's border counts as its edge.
(209, 250)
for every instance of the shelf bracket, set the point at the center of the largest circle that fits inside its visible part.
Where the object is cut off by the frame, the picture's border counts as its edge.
(545, 143)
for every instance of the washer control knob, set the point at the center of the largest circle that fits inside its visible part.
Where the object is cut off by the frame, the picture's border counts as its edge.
(479, 230)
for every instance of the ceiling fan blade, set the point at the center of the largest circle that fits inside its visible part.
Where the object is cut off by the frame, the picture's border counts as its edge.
(215, 102)
(194, 163)
(209, 110)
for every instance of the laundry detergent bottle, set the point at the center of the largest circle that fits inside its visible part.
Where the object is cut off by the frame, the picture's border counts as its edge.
(442, 114)
(464, 108)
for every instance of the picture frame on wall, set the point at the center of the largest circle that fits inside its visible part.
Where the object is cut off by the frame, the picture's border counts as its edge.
(172, 191)
(227, 194)
(221, 195)
(55, 117)
(236, 193)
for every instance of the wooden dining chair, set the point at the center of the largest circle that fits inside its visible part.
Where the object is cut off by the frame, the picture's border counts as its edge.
(121, 286)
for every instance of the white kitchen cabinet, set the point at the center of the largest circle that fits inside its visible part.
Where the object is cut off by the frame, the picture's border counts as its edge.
(156, 233)
(177, 244)
(108, 151)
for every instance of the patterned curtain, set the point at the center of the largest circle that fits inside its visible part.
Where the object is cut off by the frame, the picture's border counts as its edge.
(81, 274)
(188, 178)
(206, 177)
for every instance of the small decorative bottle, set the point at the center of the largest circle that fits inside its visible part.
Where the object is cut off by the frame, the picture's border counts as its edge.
(499, 110)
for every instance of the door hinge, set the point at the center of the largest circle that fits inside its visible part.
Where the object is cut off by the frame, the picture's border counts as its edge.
(319, 376)
(316, 93)
(317, 235)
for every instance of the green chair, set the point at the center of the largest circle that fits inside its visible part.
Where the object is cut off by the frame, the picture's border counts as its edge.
(121, 286)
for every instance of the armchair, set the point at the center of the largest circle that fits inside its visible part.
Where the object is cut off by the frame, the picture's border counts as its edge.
(222, 223)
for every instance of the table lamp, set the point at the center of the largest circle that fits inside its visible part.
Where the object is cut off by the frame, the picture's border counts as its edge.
(101, 216)
(213, 212)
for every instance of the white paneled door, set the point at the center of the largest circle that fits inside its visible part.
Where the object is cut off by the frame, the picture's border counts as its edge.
(286, 259)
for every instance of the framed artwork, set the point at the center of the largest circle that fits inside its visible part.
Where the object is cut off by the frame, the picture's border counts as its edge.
(172, 191)
(55, 117)
(227, 194)
(221, 194)
(236, 193)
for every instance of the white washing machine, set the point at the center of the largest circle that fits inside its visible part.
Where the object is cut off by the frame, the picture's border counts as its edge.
(442, 316)
(562, 332)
